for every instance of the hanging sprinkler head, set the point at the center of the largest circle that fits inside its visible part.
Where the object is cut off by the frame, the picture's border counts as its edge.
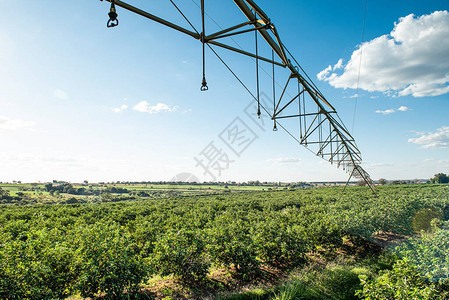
(112, 16)
(204, 86)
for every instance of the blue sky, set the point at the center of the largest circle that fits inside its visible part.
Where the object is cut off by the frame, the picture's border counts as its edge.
(79, 101)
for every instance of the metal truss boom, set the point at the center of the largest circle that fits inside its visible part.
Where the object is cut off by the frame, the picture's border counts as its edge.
(320, 130)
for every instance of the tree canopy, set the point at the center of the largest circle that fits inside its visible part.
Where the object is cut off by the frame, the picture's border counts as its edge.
(440, 178)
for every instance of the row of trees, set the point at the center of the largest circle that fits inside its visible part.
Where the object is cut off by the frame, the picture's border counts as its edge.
(440, 178)
(5, 196)
(68, 188)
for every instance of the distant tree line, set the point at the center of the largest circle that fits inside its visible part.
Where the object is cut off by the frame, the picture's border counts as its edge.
(68, 188)
(213, 183)
(5, 196)
(440, 178)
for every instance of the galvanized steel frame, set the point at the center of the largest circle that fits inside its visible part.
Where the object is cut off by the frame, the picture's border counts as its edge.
(337, 145)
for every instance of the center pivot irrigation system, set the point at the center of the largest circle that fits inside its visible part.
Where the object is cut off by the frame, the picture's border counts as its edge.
(317, 124)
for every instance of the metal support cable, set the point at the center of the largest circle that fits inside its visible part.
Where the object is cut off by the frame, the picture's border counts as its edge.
(239, 80)
(202, 35)
(257, 73)
(233, 40)
(182, 14)
(239, 46)
(360, 67)
(274, 92)
(254, 97)
(299, 66)
(232, 72)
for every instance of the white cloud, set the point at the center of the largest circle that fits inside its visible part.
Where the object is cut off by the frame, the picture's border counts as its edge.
(437, 139)
(60, 94)
(339, 64)
(323, 75)
(412, 60)
(385, 112)
(120, 109)
(391, 110)
(144, 106)
(10, 124)
(284, 160)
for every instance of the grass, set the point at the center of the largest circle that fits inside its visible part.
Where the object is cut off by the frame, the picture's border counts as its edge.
(338, 279)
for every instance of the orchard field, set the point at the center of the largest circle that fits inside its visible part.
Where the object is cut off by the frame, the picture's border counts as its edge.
(287, 244)
(60, 192)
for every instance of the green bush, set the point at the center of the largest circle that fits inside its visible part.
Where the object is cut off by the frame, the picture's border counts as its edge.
(180, 253)
(421, 273)
(279, 244)
(36, 266)
(421, 220)
(106, 261)
(231, 245)
(402, 282)
(429, 253)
